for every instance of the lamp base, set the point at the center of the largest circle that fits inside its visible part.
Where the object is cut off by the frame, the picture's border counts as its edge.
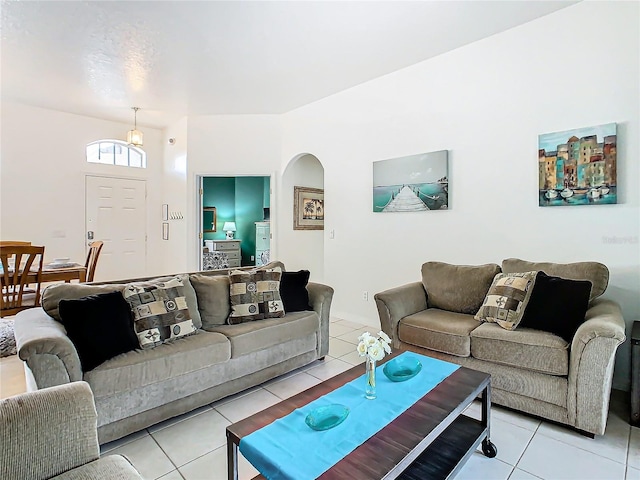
(229, 235)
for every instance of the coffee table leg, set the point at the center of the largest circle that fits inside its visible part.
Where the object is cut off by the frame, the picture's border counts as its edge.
(232, 460)
(488, 448)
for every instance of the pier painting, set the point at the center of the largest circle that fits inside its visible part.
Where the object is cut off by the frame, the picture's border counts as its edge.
(416, 183)
(578, 167)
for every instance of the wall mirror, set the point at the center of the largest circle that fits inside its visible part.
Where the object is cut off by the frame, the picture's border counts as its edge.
(208, 219)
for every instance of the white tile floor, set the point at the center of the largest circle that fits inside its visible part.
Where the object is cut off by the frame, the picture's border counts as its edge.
(192, 446)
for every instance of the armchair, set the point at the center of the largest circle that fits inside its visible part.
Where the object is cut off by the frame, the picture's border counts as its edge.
(51, 433)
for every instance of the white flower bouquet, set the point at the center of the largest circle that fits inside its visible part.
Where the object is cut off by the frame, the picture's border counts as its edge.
(374, 347)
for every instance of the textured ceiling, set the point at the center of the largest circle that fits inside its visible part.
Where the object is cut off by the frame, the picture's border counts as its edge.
(176, 58)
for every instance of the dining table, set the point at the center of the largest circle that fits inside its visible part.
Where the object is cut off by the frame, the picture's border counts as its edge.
(54, 273)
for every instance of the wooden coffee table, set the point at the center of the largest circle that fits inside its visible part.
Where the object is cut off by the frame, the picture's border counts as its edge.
(431, 439)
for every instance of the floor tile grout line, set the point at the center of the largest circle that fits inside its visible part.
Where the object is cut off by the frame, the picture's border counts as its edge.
(526, 448)
(583, 449)
(164, 453)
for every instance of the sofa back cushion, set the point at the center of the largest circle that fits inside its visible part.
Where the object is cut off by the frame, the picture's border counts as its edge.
(457, 288)
(596, 273)
(72, 291)
(213, 299)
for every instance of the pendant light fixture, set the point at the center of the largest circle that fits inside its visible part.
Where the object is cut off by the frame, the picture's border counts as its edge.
(134, 137)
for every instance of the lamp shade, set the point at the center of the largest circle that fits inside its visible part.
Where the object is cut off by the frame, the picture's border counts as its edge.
(134, 137)
(229, 227)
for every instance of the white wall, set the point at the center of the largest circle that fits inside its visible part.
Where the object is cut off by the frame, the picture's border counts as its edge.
(485, 103)
(228, 145)
(308, 254)
(174, 194)
(42, 184)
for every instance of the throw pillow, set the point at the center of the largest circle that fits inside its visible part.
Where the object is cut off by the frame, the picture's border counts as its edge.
(100, 327)
(595, 272)
(160, 311)
(213, 299)
(557, 305)
(507, 299)
(457, 288)
(255, 294)
(293, 290)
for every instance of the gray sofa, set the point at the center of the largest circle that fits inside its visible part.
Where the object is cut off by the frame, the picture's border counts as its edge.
(145, 386)
(532, 371)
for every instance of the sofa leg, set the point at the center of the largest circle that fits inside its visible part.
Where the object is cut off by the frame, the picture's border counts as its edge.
(321, 359)
(586, 434)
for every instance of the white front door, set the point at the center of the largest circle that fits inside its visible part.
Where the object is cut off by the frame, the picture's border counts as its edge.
(116, 213)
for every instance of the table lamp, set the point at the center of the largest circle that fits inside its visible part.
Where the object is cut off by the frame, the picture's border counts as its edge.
(229, 227)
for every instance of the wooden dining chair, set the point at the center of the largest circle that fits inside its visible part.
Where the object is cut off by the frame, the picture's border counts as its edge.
(10, 243)
(21, 265)
(92, 259)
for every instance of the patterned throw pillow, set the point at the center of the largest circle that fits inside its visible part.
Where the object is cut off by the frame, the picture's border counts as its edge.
(507, 299)
(255, 294)
(160, 311)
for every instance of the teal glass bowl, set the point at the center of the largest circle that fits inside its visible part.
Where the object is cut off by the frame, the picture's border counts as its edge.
(402, 368)
(326, 417)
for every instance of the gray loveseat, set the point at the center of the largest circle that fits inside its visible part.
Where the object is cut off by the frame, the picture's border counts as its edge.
(143, 387)
(533, 371)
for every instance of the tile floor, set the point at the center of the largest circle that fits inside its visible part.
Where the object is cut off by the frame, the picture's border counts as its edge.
(192, 446)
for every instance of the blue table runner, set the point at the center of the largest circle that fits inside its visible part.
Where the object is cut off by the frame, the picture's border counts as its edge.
(288, 449)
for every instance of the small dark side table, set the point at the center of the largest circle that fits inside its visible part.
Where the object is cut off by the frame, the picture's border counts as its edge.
(635, 374)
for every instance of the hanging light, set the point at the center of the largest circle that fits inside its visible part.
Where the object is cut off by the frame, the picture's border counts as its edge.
(134, 137)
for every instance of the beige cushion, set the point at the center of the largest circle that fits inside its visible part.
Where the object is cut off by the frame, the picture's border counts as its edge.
(457, 288)
(72, 291)
(439, 330)
(250, 337)
(213, 299)
(596, 273)
(507, 299)
(52, 295)
(139, 368)
(523, 348)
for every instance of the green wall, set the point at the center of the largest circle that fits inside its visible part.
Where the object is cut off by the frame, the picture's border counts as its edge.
(239, 199)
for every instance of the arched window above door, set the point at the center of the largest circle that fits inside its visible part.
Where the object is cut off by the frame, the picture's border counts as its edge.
(116, 152)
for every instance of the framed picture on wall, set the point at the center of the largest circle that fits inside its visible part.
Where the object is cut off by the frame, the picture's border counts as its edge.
(308, 208)
(578, 167)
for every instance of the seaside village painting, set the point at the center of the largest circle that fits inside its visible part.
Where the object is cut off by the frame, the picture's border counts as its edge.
(415, 183)
(578, 167)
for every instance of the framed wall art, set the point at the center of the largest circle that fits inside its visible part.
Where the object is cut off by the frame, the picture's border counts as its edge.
(416, 183)
(578, 167)
(308, 208)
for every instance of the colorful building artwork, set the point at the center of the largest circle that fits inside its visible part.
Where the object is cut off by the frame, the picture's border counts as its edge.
(578, 167)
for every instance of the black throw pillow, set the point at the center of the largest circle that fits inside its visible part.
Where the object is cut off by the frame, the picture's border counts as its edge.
(100, 327)
(557, 305)
(293, 291)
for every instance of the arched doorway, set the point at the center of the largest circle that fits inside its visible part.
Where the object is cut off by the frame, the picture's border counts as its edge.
(301, 249)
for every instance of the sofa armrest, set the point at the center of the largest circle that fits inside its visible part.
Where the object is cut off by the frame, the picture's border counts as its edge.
(43, 344)
(320, 297)
(397, 303)
(48, 432)
(591, 364)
